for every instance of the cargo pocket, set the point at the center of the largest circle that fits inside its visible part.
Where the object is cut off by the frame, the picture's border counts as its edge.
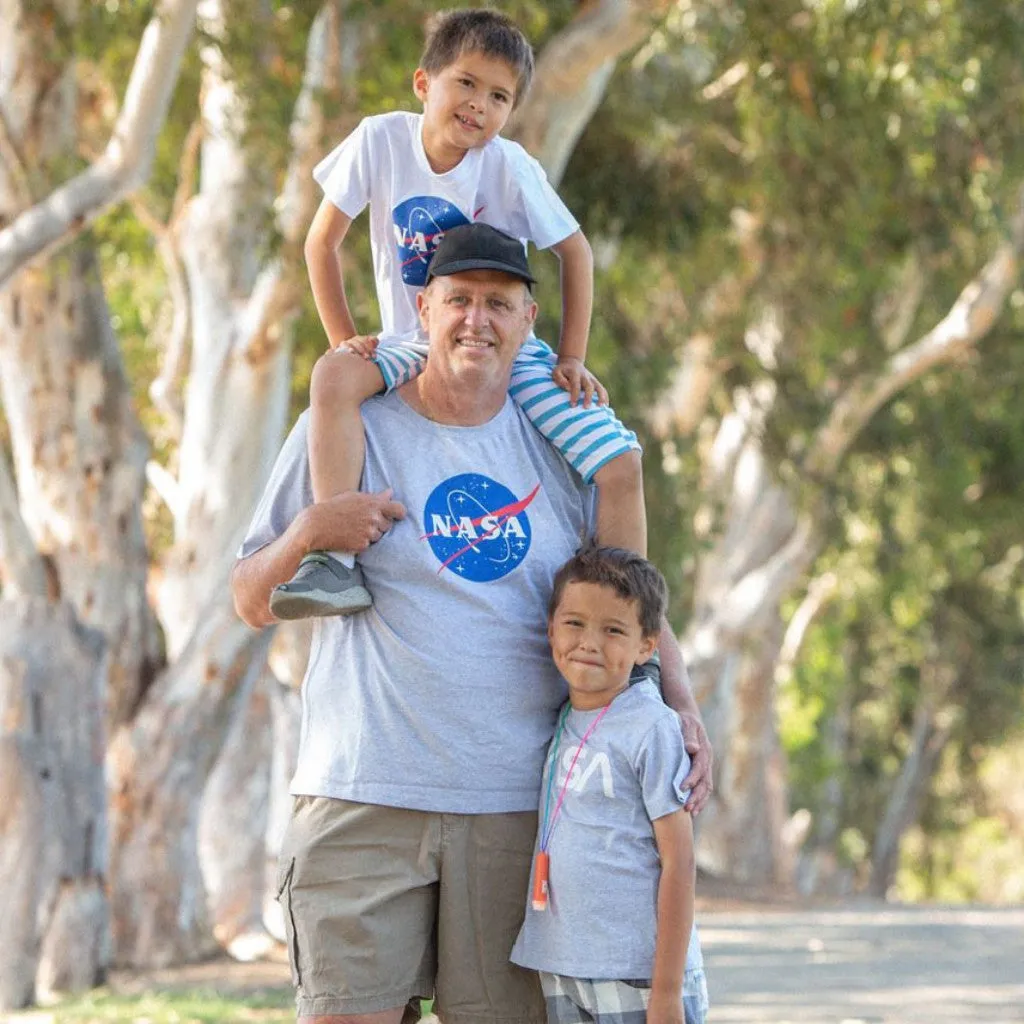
(284, 897)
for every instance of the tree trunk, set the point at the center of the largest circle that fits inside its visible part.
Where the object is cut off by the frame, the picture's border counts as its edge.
(233, 825)
(286, 707)
(159, 766)
(79, 452)
(236, 404)
(53, 844)
(933, 723)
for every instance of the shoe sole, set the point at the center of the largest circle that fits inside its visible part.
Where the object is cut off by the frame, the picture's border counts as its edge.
(319, 603)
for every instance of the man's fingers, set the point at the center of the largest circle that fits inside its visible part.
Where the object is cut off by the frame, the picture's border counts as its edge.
(699, 796)
(394, 510)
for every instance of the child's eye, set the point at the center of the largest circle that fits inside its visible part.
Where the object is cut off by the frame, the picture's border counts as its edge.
(466, 81)
(501, 97)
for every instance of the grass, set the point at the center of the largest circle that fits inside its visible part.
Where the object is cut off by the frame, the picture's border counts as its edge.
(196, 1006)
(199, 1006)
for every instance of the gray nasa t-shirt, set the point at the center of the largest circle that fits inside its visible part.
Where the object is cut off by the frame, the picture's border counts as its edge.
(441, 697)
(604, 869)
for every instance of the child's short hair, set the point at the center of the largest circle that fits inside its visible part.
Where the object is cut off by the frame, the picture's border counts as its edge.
(478, 30)
(630, 575)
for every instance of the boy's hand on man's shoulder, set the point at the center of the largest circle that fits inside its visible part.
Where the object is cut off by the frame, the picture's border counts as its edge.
(364, 345)
(571, 375)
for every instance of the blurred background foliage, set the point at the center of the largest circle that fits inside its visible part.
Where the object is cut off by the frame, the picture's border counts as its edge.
(866, 137)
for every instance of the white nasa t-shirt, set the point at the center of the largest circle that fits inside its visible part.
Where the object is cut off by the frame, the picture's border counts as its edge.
(443, 696)
(383, 164)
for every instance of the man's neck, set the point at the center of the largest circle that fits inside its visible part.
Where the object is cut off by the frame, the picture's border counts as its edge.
(456, 403)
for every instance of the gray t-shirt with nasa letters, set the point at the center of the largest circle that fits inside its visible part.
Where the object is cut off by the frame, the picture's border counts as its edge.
(604, 870)
(441, 697)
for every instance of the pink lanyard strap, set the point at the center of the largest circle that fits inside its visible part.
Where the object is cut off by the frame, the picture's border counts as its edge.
(549, 826)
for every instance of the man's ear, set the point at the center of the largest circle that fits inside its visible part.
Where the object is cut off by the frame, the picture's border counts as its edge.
(420, 84)
(648, 645)
(423, 308)
(531, 306)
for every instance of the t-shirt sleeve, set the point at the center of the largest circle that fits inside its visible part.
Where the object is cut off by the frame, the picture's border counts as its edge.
(662, 765)
(289, 490)
(345, 173)
(539, 215)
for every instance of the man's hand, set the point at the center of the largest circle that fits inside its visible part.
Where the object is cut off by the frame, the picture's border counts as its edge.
(571, 375)
(352, 521)
(364, 345)
(699, 782)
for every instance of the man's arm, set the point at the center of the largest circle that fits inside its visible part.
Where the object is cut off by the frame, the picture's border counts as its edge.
(347, 522)
(673, 835)
(678, 694)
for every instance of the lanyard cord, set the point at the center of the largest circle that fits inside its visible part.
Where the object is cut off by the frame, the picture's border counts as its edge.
(552, 771)
(549, 826)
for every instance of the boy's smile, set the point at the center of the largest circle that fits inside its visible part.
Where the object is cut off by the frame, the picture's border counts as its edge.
(596, 639)
(464, 106)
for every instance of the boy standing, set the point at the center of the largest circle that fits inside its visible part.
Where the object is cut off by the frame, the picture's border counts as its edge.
(421, 175)
(609, 925)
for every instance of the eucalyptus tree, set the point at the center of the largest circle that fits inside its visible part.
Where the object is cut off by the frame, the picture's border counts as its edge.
(226, 222)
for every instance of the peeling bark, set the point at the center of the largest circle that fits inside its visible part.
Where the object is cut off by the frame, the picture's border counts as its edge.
(53, 847)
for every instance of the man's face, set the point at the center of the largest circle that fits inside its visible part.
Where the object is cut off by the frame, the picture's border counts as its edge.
(476, 323)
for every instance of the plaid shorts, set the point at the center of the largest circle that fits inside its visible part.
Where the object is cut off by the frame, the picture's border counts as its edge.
(586, 1001)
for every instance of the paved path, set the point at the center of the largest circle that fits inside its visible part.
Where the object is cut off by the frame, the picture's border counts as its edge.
(865, 964)
(869, 965)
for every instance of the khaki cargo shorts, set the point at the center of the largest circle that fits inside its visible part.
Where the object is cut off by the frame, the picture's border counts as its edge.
(384, 905)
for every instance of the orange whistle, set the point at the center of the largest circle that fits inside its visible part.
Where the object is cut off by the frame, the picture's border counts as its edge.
(539, 898)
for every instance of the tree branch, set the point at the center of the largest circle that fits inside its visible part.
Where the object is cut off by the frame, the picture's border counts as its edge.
(968, 321)
(14, 165)
(21, 566)
(278, 290)
(129, 154)
(820, 591)
(572, 74)
(681, 406)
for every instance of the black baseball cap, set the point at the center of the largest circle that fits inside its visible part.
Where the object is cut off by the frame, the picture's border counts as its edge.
(479, 247)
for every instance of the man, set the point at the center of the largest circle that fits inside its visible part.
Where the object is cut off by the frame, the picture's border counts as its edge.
(425, 720)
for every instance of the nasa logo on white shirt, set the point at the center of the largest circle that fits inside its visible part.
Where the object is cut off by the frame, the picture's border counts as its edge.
(419, 226)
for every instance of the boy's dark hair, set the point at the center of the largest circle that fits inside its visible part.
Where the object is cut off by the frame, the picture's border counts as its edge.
(631, 576)
(478, 30)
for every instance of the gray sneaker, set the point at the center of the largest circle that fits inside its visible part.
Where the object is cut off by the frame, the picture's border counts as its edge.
(321, 586)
